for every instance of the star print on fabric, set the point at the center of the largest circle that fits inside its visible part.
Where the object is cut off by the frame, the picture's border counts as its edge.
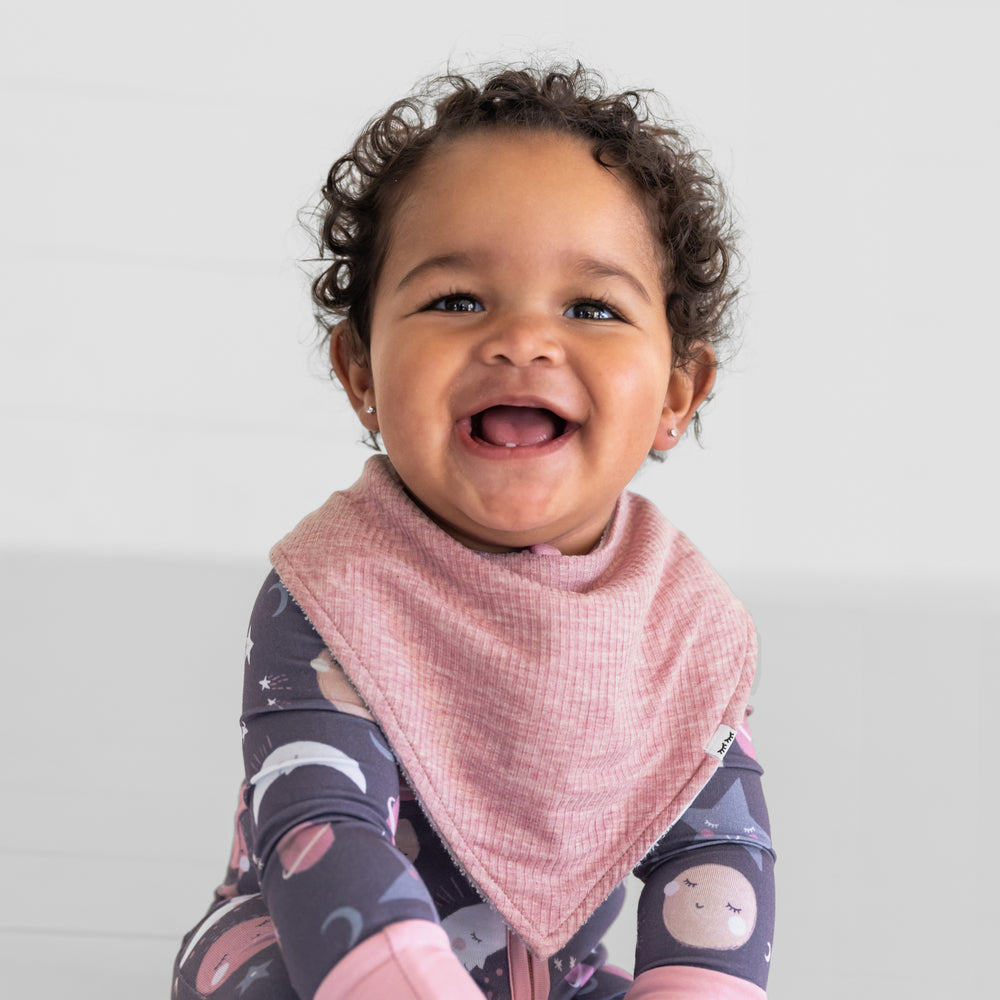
(249, 646)
(243, 730)
(254, 973)
(557, 962)
(728, 819)
(275, 684)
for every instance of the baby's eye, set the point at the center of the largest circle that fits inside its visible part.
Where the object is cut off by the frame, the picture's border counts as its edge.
(734, 909)
(457, 303)
(688, 881)
(591, 309)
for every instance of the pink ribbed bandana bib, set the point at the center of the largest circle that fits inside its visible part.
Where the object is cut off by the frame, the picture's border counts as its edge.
(550, 712)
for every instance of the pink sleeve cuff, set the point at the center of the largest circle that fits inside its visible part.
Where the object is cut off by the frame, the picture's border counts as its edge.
(686, 982)
(409, 960)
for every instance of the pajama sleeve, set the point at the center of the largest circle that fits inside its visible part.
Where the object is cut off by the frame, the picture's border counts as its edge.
(706, 912)
(322, 794)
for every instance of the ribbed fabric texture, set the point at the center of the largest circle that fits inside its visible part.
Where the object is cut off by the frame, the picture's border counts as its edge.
(551, 712)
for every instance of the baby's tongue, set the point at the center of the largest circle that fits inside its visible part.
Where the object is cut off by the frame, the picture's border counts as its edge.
(510, 426)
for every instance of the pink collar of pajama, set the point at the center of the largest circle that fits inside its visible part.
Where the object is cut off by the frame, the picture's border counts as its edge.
(552, 713)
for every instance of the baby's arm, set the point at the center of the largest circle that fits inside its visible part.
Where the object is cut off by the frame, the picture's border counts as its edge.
(352, 916)
(706, 913)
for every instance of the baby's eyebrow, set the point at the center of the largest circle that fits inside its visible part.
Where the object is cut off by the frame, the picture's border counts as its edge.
(590, 266)
(440, 262)
(607, 269)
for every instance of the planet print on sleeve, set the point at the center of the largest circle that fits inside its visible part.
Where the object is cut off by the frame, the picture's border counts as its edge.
(335, 687)
(232, 951)
(303, 847)
(710, 906)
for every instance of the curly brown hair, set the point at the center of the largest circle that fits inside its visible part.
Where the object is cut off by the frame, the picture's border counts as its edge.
(684, 198)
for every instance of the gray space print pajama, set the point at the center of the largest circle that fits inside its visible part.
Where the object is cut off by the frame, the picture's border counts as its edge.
(331, 846)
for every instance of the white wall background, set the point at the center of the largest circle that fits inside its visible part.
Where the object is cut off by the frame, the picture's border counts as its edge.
(156, 347)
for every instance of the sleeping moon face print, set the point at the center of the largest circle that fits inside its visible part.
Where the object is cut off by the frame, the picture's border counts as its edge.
(475, 932)
(710, 906)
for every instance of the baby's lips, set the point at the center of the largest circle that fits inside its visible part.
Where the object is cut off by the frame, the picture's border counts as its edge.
(516, 416)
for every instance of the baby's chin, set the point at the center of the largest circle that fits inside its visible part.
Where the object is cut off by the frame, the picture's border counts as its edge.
(521, 539)
(507, 529)
(484, 539)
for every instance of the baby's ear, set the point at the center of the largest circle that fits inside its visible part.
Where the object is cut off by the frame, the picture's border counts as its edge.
(353, 374)
(690, 385)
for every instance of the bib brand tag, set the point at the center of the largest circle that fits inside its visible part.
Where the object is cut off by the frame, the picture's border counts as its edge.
(720, 743)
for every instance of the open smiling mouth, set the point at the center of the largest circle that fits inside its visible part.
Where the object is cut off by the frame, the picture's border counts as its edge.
(516, 426)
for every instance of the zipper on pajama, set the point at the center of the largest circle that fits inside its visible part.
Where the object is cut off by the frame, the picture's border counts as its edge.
(529, 975)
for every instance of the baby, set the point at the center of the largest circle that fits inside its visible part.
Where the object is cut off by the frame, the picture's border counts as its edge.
(485, 683)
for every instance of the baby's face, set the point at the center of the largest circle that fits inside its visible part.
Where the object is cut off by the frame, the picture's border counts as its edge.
(520, 353)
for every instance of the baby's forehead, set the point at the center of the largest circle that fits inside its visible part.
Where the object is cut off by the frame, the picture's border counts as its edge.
(488, 178)
(468, 154)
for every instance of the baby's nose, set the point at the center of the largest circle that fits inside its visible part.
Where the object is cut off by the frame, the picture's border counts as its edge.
(523, 341)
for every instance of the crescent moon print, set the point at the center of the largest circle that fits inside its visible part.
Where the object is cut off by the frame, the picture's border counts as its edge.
(286, 758)
(282, 598)
(353, 918)
(380, 747)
